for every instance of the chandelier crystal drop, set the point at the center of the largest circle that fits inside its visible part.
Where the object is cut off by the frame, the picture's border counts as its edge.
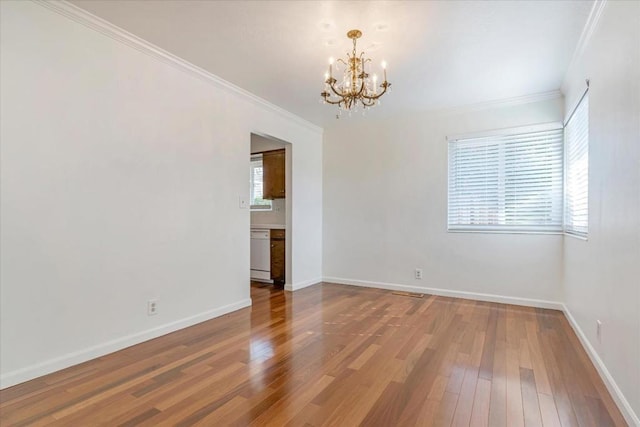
(356, 87)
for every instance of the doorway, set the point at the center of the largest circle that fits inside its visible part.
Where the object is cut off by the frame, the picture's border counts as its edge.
(270, 211)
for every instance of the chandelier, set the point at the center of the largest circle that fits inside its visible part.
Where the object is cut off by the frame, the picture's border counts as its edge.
(355, 88)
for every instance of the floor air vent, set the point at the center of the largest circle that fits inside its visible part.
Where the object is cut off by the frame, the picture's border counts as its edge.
(408, 294)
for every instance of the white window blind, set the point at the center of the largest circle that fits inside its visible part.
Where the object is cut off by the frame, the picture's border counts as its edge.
(257, 185)
(576, 214)
(506, 183)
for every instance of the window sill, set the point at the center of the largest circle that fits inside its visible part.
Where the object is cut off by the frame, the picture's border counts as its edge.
(506, 232)
(557, 233)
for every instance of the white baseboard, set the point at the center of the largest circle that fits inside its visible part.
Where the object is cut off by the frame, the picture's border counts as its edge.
(623, 404)
(296, 286)
(76, 357)
(527, 302)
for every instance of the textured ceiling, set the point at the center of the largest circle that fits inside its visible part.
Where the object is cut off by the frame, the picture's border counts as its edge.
(441, 54)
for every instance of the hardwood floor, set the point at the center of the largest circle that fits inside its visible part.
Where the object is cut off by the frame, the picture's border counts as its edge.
(339, 356)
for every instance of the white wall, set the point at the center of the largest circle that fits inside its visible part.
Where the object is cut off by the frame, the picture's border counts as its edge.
(120, 181)
(602, 274)
(385, 204)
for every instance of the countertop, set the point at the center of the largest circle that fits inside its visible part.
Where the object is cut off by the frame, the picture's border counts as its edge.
(269, 226)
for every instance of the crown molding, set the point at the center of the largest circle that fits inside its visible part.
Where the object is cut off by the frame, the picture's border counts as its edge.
(114, 32)
(499, 103)
(585, 37)
(470, 108)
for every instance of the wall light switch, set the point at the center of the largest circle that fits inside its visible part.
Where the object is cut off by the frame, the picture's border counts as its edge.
(243, 202)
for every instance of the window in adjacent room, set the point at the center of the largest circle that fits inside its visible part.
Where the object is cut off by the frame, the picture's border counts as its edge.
(576, 134)
(510, 181)
(257, 184)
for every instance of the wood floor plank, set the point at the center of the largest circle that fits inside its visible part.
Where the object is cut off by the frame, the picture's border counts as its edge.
(482, 397)
(498, 402)
(224, 414)
(562, 400)
(368, 394)
(412, 358)
(548, 411)
(515, 412)
(335, 355)
(444, 415)
(525, 354)
(287, 409)
(486, 364)
(531, 406)
(364, 357)
(428, 412)
(537, 361)
(438, 388)
(462, 415)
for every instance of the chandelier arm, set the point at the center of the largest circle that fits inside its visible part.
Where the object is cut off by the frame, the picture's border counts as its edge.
(384, 90)
(328, 101)
(367, 104)
(336, 91)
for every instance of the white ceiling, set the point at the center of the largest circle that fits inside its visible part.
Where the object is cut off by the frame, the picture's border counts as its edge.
(441, 54)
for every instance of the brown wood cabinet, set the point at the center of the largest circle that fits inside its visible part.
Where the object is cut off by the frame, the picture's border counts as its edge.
(273, 166)
(277, 256)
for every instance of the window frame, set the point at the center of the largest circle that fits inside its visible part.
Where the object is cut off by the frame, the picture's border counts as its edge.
(571, 231)
(557, 228)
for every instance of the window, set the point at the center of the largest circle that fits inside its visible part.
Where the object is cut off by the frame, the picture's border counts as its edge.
(576, 134)
(257, 202)
(511, 182)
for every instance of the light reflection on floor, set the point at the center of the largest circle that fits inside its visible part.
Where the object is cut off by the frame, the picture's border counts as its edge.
(260, 350)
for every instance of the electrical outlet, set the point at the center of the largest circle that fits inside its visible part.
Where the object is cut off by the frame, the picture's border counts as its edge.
(599, 330)
(152, 307)
(418, 273)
